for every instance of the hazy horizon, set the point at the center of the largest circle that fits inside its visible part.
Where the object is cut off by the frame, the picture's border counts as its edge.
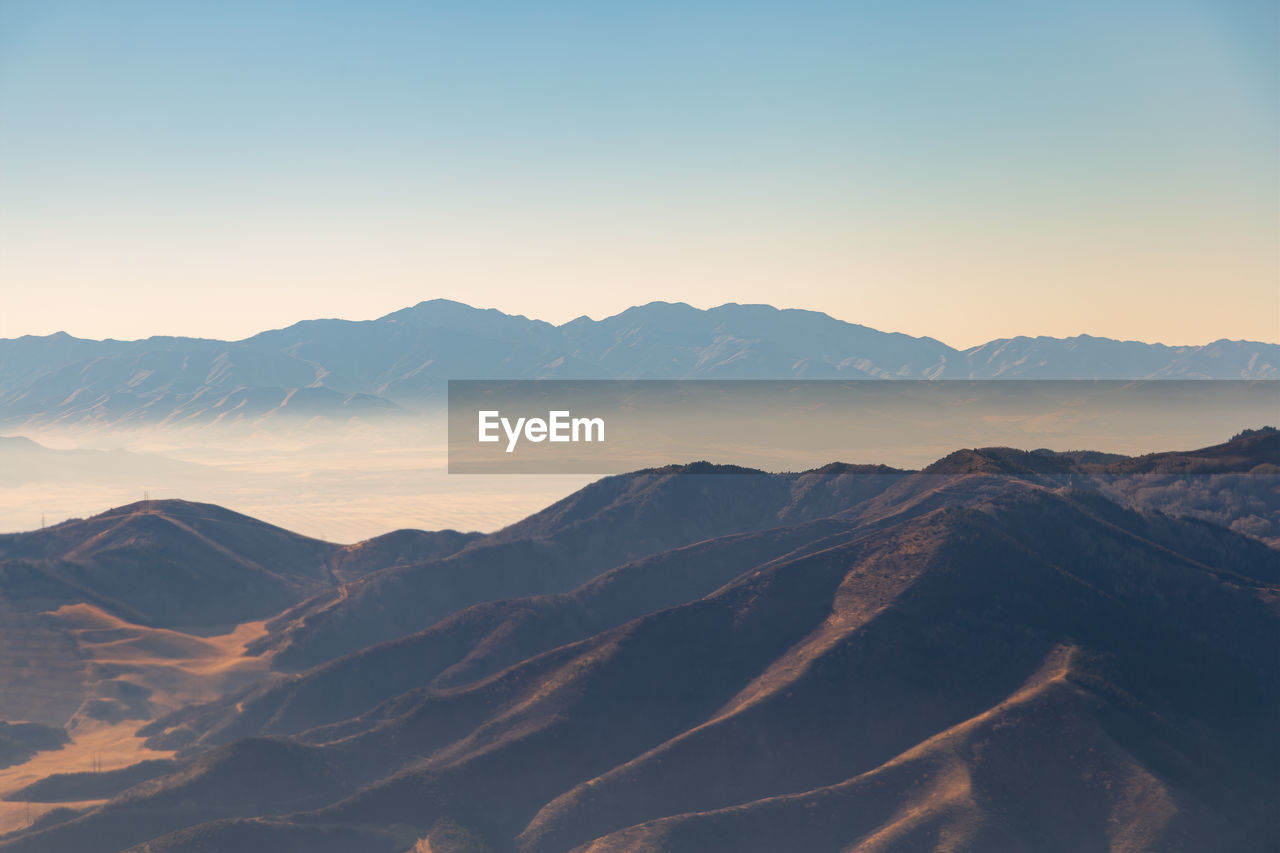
(604, 316)
(960, 172)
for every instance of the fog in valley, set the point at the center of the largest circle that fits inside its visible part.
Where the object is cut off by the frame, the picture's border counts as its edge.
(342, 484)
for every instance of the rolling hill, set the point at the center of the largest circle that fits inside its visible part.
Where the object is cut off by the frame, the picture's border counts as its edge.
(1001, 652)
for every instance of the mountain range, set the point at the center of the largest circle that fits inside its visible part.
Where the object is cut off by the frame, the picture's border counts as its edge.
(339, 369)
(147, 582)
(1003, 651)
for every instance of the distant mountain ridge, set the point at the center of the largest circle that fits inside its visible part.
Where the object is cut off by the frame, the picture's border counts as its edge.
(402, 361)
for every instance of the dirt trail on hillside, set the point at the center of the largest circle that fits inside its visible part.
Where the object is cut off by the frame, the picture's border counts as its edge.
(101, 658)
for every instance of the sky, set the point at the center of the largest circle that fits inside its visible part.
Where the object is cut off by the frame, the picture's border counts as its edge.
(966, 171)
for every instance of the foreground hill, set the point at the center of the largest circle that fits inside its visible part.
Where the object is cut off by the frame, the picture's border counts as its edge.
(176, 563)
(111, 618)
(610, 522)
(988, 655)
(338, 369)
(575, 539)
(164, 563)
(1040, 671)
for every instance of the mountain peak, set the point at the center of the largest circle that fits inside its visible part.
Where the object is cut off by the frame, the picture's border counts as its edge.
(999, 460)
(176, 507)
(447, 312)
(403, 360)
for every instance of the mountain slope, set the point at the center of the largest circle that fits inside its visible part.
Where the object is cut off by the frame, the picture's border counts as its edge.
(177, 563)
(952, 791)
(105, 619)
(563, 546)
(339, 369)
(1033, 668)
(164, 563)
(482, 639)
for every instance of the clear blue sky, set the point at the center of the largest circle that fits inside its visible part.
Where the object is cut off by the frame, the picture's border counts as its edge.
(966, 170)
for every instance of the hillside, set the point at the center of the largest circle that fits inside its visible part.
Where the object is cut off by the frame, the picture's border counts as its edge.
(999, 652)
(560, 547)
(176, 563)
(571, 541)
(995, 653)
(110, 621)
(164, 563)
(1040, 670)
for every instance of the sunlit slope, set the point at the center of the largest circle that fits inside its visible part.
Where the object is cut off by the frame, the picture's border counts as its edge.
(1036, 671)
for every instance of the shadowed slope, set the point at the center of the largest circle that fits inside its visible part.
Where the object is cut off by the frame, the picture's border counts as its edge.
(561, 547)
(986, 657)
(997, 596)
(175, 563)
(483, 639)
(1038, 672)
(164, 563)
(1078, 787)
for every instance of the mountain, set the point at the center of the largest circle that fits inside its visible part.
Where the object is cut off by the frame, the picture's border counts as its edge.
(439, 639)
(675, 341)
(338, 369)
(561, 547)
(164, 563)
(174, 563)
(1003, 651)
(23, 461)
(1032, 667)
(109, 618)
(480, 640)
(573, 540)
(1232, 484)
(1088, 357)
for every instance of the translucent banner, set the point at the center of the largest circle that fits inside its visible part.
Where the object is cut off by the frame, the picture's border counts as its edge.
(611, 426)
